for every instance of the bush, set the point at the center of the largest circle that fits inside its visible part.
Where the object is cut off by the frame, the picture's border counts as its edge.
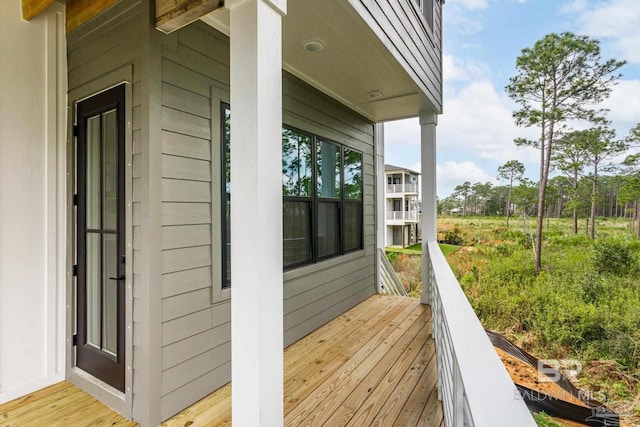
(543, 420)
(453, 236)
(612, 255)
(592, 288)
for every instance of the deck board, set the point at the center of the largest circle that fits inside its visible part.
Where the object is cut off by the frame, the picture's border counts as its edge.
(374, 365)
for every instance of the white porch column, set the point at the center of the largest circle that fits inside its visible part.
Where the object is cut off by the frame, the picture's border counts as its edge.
(428, 123)
(256, 212)
(381, 201)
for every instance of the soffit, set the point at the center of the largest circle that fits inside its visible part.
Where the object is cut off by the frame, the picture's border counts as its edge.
(354, 67)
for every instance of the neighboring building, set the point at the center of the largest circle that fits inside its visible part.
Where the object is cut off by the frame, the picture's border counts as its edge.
(402, 198)
(144, 174)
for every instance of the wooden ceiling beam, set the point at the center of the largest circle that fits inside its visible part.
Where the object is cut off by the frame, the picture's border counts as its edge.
(80, 11)
(174, 14)
(33, 8)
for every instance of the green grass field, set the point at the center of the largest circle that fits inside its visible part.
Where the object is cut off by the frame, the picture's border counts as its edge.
(585, 304)
(417, 249)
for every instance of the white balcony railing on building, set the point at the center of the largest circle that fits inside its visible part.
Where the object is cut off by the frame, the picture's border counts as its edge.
(473, 384)
(397, 188)
(402, 215)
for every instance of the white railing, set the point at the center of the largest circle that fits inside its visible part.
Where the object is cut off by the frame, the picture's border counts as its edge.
(397, 188)
(410, 215)
(395, 215)
(389, 282)
(473, 384)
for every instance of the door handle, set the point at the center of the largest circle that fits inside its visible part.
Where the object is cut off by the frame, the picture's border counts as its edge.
(120, 277)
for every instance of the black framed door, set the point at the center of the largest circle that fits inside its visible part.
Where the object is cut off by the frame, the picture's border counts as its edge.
(100, 344)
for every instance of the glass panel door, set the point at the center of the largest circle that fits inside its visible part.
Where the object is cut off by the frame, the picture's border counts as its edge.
(100, 237)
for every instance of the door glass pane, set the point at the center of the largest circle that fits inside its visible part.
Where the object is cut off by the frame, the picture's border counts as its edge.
(110, 169)
(227, 149)
(227, 260)
(226, 197)
(110, 294)
(328, 170)
(93, 173)
(93, 289)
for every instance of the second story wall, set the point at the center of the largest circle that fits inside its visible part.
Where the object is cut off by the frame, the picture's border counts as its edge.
(415, 41)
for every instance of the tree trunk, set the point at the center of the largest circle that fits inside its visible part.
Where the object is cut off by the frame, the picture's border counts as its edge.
(545, 160)
(575, 209)
(638, 211)
(594, 196)
(509, 201)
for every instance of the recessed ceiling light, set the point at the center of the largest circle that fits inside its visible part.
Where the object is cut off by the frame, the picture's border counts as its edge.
(313, 45)
(374, 94)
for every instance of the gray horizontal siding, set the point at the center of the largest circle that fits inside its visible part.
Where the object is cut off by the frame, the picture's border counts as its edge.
(108, 43)
(401, 26)
(196, 333)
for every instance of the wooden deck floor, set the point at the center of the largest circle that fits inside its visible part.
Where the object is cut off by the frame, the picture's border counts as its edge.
(374, 365)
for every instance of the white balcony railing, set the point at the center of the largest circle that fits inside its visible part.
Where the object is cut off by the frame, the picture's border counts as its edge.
(397, 188)
(473, 384)
(402, 215)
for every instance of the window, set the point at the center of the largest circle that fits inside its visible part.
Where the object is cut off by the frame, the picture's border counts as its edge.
(427, 12)
(352, 200)
(426, 7)
(297, 187)
(322, 195)
(225, 153)
(329, 201)
(322, 191)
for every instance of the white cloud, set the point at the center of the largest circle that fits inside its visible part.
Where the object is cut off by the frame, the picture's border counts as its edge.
(455, 69)
(473, 4)
(451, 173)
(464, 16)
(478, 120)
(574, 6)
(618, 20)
(624, 104)
(475, 135)
(402, 132)
(452, 71)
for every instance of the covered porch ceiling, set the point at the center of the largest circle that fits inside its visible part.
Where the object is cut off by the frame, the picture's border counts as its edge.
(352, 66)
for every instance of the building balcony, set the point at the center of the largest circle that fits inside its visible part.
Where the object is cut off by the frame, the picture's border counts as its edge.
(400, 216)
(399, 188)
(410, 364)
(386, 375)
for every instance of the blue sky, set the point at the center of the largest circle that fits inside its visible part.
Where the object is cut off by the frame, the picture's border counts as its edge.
(482, 39)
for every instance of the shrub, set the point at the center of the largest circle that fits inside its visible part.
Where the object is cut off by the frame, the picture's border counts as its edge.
(612, 255)
(592, 287)
(453, 236)
(543, 420)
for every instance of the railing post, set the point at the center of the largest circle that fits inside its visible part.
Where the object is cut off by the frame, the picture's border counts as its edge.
(457, 398)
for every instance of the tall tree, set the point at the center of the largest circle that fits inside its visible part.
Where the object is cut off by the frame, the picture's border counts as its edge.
(570, 157)
(511, 171)
(558, 80)
(630, 191)
(600, 145)
(463, 191)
